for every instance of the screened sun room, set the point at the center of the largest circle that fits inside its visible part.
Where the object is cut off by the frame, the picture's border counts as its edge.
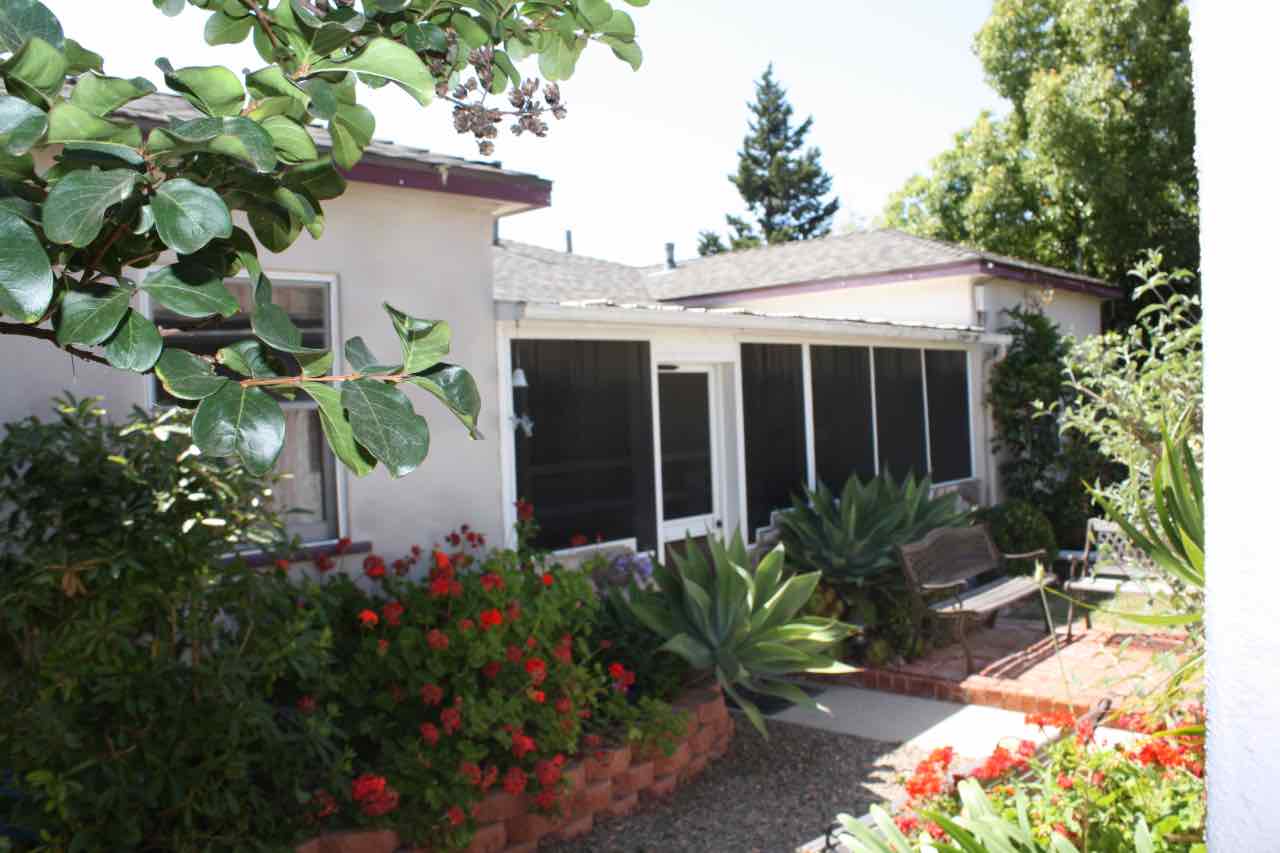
(618, 428)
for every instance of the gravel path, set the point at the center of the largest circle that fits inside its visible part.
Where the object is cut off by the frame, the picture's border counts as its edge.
(763, 797)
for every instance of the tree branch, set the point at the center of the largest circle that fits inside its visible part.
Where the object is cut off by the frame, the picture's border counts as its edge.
(23, 330)
(266, 25)
(345, 377)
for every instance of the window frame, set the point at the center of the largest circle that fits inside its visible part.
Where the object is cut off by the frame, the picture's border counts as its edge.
(333, 328)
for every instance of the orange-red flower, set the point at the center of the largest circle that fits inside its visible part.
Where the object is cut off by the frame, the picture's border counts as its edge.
(431, 694)
(437, 639)
(368, 618)
(514, 782)
(391, 613)
(490, 618)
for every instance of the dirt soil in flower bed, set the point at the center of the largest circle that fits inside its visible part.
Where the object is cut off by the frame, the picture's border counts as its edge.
(762, 797)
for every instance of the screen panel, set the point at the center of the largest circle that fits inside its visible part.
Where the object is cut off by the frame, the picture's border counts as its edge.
(900, 412)
(843, 437)
(773, 422)
(684, 403)
(947, 375)
(588, 467)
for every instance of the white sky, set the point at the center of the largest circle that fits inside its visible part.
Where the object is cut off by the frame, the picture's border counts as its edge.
(643, 156)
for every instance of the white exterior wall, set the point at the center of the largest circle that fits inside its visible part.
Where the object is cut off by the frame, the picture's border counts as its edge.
(426, 253)
(933, 300)
(1077, 314)
(1233, 52)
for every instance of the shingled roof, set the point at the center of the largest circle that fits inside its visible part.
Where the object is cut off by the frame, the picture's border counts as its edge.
(883, 254)
(526, 273)
(387, 162)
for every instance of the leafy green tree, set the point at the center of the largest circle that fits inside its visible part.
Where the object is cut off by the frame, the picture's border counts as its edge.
(1094, 163)
(117, 196)
(782, 182)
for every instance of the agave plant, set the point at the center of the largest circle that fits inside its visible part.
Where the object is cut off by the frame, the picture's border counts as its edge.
(741, 625)
(853, 539)
(978, 829)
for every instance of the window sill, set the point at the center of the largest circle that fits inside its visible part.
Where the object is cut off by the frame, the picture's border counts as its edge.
(306, 554)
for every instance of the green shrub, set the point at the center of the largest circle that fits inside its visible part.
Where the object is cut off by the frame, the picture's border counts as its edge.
(852, 540)
(141, 675)
(476, 676)
(1017, 527)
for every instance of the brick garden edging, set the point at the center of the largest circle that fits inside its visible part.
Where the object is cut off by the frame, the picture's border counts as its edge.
(607, 783)
(974, 690)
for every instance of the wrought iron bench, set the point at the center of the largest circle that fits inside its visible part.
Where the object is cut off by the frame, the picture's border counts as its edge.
(1109, 565)
(946, 560)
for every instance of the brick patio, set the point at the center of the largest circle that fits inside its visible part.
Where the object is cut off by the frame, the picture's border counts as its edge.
(1017, 669)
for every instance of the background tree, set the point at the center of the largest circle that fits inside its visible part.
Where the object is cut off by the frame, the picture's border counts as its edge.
(1094, 163)
(117, 197)
(784, 187)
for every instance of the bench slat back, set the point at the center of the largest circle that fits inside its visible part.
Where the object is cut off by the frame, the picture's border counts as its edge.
(949, 555)
(1110, 553)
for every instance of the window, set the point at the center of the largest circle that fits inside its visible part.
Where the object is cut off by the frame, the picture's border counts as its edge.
(309, 492)
(773, 414)
(900, 422)
(843, 429)
(947, 378)
(588, 467)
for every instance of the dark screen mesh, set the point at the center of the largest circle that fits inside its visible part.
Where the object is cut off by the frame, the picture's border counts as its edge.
(900, 412)
(842, 428)
(588, 468)
(773, 420)
(684, 402)
(947, 375)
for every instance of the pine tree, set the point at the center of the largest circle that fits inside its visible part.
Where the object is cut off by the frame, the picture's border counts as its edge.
(784, 187)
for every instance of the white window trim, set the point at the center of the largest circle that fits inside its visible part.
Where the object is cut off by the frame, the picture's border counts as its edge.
(331, 280)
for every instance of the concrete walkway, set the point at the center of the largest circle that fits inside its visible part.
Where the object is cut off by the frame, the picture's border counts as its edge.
(973, 730)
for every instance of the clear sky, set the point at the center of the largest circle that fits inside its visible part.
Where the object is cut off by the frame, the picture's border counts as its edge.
(642, 158)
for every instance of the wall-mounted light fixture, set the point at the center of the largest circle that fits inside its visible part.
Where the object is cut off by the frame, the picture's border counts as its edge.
(518, 379)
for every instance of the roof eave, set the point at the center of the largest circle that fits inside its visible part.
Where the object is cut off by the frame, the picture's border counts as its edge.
(517, 192)
(676, 316)
(969, 266)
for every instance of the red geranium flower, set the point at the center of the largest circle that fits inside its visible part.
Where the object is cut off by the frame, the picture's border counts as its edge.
(307, 704)
(454, 539)
(416, 550)
(368, 618)
(401, 566)
(456, 816)
(524, 511)
(513, 612)
(383, 646)
(538, 696)
(442, 560)
(616, 670)
(564, 705)
(374, 567)
(466, 625)
(327, 805)
(451, 719)
(513, 783)
(490, 582)
(548, 773)
(437, 639)
(547, 579)
(492, 669)
(323, 562)
(471, 772)
(577, 540)
(490, 618)
(391, 612)
(522, 744)
(439, 587)
(537, 669)
(455, 589)
(514, 653)
(546, 800)
(429, 733)
(431, 694)
(368, 787)
(283, 565)
(343, 545)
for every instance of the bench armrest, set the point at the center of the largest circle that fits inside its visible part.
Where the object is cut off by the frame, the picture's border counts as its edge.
(938, 587)
(1041, 553)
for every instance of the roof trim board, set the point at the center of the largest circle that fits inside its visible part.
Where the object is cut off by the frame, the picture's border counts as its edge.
(973, 266)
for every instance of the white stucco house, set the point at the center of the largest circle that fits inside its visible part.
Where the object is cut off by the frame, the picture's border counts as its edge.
(625, 403)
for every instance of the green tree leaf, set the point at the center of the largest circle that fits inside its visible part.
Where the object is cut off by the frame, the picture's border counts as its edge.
(75, 209)
(248, 358)
(80, 60)
(240, 421)
(188, 215)
(292, 142)
(597, 12)
(352, 130)
(222, 28)
(70, 122)
(213, 89)
(39, 67)
(457, 389)
(384, 423)
(91, 315)
(190, 289)
(423, 343)
(361, 358)
(390, 60)
(271, 323)
(337, 429)
(22, 20)
(136, 344)
(186, 376)
(21, 125)
(26, 278)
(101, 96)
